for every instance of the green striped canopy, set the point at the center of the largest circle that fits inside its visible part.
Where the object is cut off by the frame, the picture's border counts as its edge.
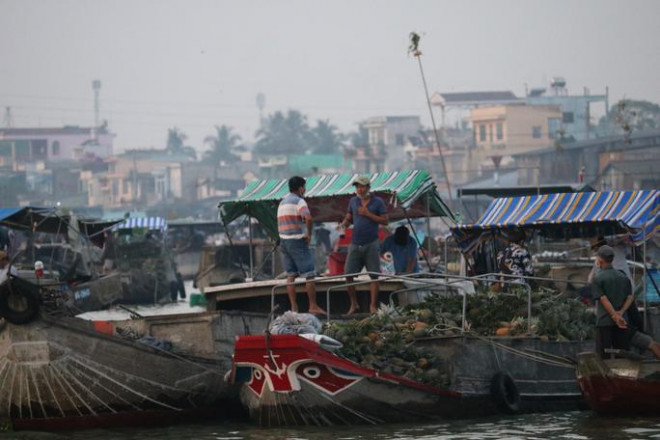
(405, 193)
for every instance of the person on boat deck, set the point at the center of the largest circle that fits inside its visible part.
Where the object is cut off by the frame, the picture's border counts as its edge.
(620, 247)
(109, 252)
(613, 295)
(638, 338)
(365, 211)
(515, 259)
(294, 225)
(4, 267)
(404, 251)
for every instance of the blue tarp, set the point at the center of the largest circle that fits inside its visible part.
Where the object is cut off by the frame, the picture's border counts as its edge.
(8, 212)
(153, 223)
(634, 212)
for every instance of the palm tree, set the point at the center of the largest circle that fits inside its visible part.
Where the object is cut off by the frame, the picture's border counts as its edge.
(284, 134)
(222, 145)
(325, 138)
(175, 143)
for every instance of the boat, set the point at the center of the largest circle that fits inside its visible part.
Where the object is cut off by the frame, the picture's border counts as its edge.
(144, 261)
(63, 372)
(186, 239)
(488, 375)
(617, 387)
(290, 380)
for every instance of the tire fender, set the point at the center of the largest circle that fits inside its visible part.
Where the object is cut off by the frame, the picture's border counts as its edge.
(505, 393)
(30, 304)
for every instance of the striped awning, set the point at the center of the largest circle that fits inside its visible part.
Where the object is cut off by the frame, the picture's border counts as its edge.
(635, 212)
(152, 223)
(405, 193)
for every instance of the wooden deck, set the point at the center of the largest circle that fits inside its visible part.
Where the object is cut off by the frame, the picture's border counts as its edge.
(226, 296)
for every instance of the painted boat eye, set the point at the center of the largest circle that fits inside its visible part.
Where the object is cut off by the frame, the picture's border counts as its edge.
(312, 372)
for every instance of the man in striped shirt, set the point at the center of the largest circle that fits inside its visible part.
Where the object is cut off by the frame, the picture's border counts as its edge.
(294, 225)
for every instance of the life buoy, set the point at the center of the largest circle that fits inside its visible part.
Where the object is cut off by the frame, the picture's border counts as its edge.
(504, 391)
(18, 305)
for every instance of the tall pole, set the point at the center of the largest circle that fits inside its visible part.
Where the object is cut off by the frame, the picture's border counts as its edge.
(414, 49)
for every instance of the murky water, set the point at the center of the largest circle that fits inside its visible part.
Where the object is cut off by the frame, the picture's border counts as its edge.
(571, 425)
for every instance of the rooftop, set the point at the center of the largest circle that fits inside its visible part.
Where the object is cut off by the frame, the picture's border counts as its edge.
(474, 98)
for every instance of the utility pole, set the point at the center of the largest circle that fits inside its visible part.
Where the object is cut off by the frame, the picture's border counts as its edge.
(8, 119)
(96, 86)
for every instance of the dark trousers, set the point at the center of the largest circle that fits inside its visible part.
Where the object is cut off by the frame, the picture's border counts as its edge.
(611, 336)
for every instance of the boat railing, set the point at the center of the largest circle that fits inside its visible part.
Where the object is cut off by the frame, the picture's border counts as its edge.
(422, 281)
(496, 277)
(457, 278)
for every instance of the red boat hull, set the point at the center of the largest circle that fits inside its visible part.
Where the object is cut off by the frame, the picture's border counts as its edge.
(619, 386)
(291, 381)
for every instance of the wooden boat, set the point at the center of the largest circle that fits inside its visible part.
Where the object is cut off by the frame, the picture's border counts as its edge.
(61, 372)
(619, 386)
(282, 375)
(290, 380)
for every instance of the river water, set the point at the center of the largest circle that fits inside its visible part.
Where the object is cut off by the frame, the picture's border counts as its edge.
(567, 425)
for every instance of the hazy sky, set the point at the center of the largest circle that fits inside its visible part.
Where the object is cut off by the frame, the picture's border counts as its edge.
(193, 64)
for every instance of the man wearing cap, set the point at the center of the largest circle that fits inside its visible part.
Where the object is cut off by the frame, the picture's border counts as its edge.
(365, 212)
(294, 225)
(613, 293)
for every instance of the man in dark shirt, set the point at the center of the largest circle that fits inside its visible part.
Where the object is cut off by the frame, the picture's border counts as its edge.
(365, 212)
(613, 296)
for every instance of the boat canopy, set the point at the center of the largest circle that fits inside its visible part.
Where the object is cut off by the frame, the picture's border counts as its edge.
(405, 193)
(151, 223)
(569, 215)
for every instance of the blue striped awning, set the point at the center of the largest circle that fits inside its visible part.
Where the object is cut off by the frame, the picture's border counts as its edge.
(153, 223)
(637, 212)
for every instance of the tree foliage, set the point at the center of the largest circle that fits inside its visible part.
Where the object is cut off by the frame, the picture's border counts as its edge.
(325, 138)
(630, 115)
(176, 143)
(222, 145)
(283, 134)
(289, 133)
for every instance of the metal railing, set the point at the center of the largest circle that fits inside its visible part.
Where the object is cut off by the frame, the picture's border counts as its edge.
(425, 281)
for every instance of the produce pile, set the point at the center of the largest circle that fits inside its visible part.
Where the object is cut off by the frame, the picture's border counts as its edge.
(385, 340)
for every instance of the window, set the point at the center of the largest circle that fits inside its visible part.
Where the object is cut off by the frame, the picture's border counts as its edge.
(399, 139)
(567, 117)
(490, 132)
(500, 131)
(536, 132)
(482, 132)
(56, 148)
(554, 126)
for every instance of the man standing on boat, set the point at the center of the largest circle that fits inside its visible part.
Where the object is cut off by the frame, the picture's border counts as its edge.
(365, 212)
(294, 225)
(613, 293)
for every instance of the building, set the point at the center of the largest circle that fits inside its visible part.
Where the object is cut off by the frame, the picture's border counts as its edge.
(631, 174)
(19, 146)
(576, 113)
(386, 138)
(462, 102)
(502, 131)
(589, 159)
